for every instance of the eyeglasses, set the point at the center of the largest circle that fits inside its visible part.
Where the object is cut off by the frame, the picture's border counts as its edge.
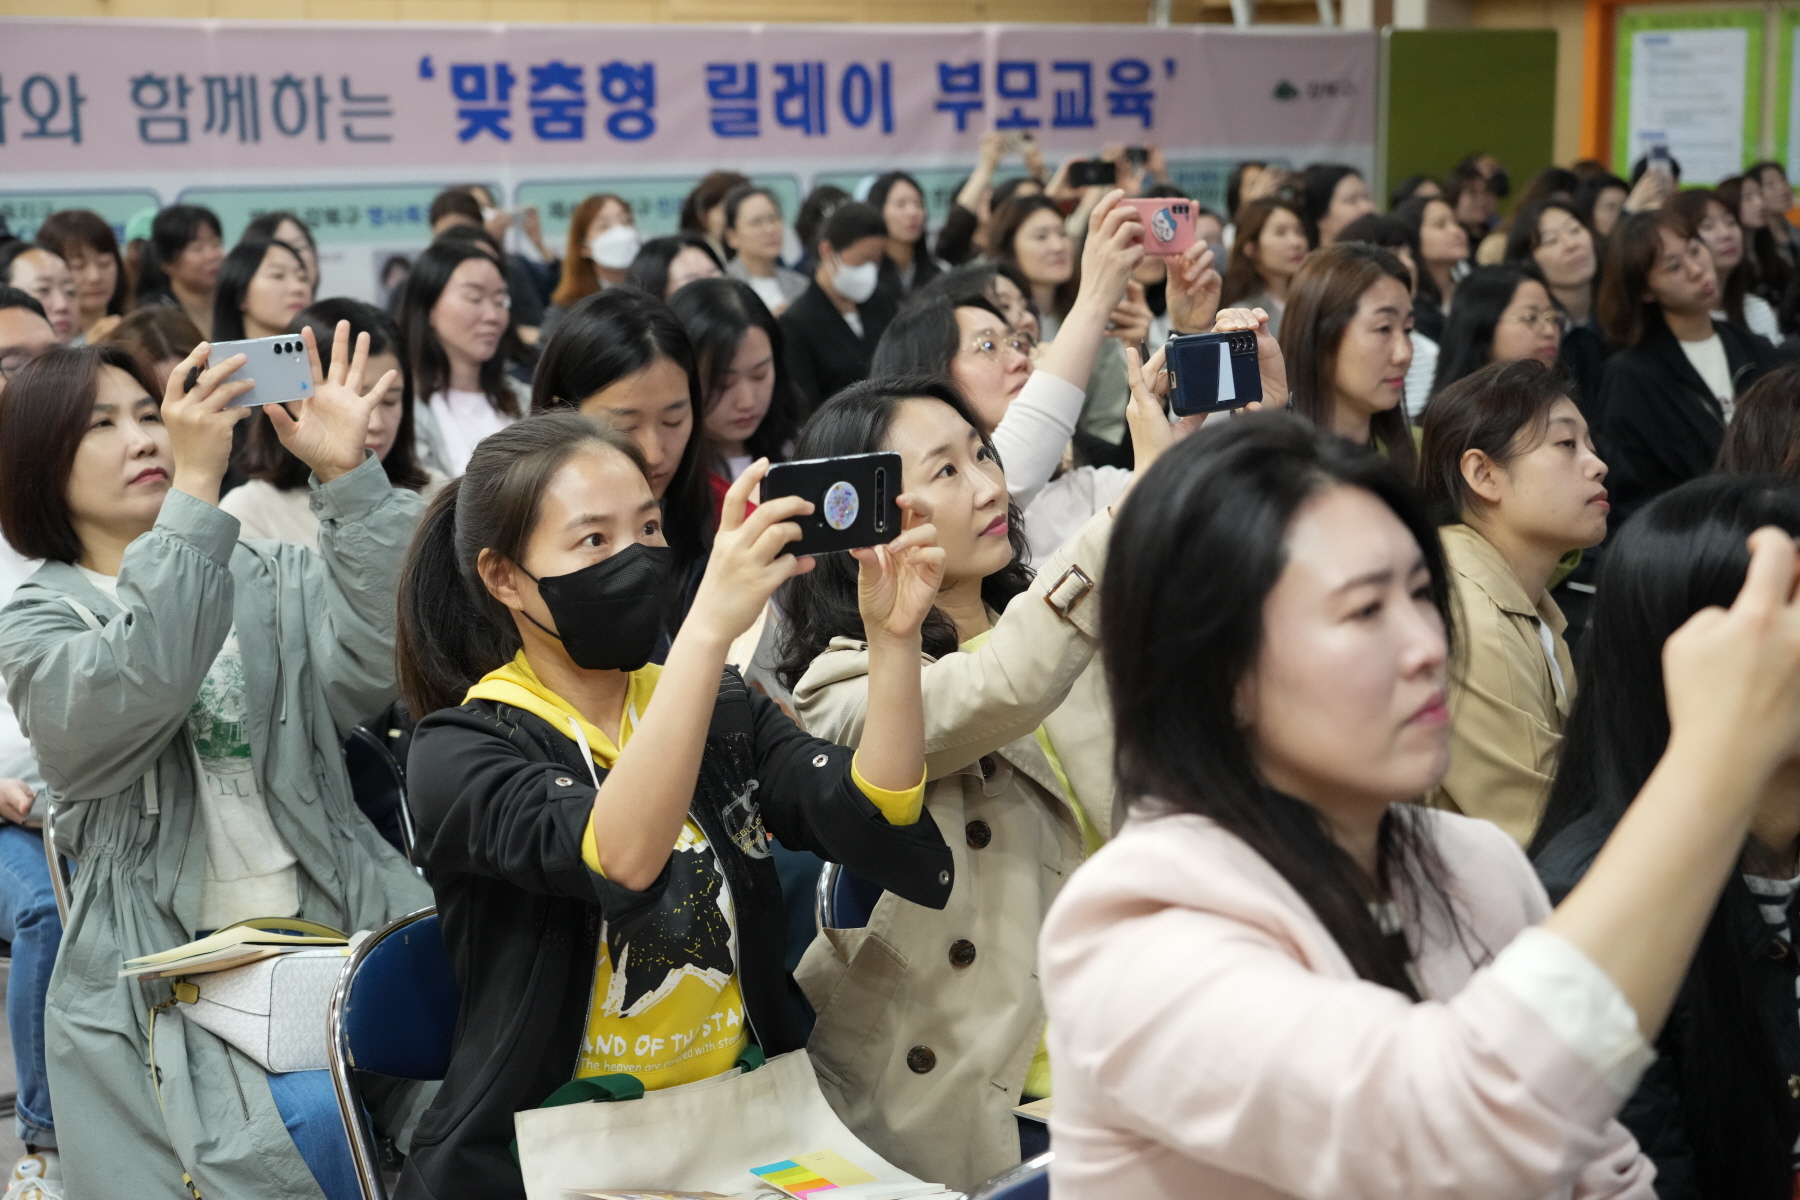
(990, 347)
(1544, 320)
(12, 360)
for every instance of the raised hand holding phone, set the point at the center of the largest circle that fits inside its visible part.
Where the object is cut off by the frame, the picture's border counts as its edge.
(199, 418)
(750, 559)
(328, 430)
(896, 585)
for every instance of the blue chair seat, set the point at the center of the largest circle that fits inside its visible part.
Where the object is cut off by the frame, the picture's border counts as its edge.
(394, 1014)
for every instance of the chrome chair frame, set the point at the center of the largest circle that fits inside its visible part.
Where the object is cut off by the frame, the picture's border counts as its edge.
(363, 1153)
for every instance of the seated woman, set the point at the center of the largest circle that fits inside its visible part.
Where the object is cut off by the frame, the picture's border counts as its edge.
(750, 408)
(665, 265)
(1713, 222)
(1284, 979)
(457, 325)
(263, 285)
(931, 1030)
(1716, 1111)
(755, 233)
(221, 677)
(1554, 236)
(1346, 344)
(579, 807)
(275, 502)
(603, 242)
(1668, 394)
(1443, 258)
(1271, 244)
(1764, 435)
(1500, 314)
(1029, 409)
(1509, 473)
(622, 358)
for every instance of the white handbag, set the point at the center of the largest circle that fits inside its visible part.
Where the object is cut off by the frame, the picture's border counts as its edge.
(701, 1137)
(273, 1010)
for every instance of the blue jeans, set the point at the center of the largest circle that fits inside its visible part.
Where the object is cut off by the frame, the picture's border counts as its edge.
(309, 1109)
(28, 919)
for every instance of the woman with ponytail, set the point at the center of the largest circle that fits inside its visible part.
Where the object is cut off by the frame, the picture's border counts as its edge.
(584, 813)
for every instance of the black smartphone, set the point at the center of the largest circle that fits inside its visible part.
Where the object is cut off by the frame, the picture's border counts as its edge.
(1137, 156)
(1212, 372)
(1092, 172)
(855, 499)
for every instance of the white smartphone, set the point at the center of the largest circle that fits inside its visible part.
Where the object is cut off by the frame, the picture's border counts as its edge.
(279, 366)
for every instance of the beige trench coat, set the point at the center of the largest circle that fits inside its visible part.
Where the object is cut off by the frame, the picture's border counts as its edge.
(928, 1021)
(1506, 707)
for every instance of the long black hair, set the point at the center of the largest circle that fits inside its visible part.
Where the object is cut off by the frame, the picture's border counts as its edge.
(235, 275)
(452, 630)
(717, 313)
(264, 456)
(821, 604)
(924, 269)
(601, 340)
(1194, 556)
(1468, 341)
(1684, 551)
(425, 357)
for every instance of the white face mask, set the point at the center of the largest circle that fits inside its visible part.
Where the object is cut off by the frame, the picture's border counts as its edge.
(616, 247)
(855, 284)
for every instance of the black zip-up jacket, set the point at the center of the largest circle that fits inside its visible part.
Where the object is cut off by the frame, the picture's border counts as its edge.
(1658, 425)
(502, 798)
(1656, 1113)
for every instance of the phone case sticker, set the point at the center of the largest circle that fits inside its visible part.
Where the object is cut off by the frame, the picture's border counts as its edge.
(841, 505)
(1162, 225)
(1227, 383)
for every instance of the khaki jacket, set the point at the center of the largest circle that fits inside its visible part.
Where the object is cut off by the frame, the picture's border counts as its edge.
(1506, 711)
(928, 1020)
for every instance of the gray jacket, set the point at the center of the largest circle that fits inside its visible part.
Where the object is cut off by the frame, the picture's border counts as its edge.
(107, 710)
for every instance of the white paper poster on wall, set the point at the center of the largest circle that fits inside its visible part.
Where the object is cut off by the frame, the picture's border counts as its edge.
(1793, 100)
(1687, 93)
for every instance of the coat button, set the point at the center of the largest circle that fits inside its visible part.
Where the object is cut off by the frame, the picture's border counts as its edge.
(979, 835)
(820, 760)
(962, 952)
(1779, 949)
(920, 1059)
(944, 878)
(988, 766)
(564, 781)
(1794, 1086)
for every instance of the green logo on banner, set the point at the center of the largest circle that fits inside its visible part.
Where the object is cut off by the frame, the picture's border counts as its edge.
(1286, 91)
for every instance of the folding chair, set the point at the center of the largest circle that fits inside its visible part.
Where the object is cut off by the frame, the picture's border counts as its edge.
(394, 1013)
(1030, 1180)
(59, 870)
(845, 900)
(379, 787)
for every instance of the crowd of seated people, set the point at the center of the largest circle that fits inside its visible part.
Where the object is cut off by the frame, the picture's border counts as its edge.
(1390, 787)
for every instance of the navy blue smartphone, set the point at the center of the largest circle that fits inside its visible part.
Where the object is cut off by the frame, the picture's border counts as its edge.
(1212, 372)
(855, 499)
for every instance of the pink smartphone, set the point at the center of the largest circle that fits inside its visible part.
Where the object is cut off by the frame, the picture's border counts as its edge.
(1168, 225)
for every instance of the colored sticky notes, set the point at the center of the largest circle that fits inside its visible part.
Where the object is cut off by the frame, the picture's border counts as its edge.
(805, 1175)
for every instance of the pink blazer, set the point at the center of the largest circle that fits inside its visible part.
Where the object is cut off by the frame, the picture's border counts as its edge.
(1209, 1039)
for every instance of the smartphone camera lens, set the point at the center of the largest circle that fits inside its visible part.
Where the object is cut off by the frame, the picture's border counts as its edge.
(881, 501)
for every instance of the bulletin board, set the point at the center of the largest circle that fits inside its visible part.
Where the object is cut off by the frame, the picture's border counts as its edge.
(1505, 84)
(1690, 80)
(1787, 102)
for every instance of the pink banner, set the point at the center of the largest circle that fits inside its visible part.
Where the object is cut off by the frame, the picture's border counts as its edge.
(116, 96)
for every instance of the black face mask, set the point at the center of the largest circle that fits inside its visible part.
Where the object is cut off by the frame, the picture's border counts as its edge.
(611, 613)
